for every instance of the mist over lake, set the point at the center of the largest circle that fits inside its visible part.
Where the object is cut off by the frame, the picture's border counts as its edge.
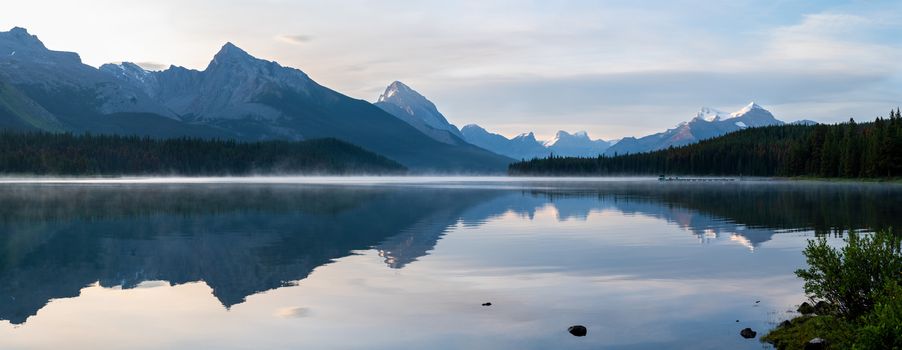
(390, 262)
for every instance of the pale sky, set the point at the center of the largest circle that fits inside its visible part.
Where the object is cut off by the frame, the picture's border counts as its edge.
(612, 68)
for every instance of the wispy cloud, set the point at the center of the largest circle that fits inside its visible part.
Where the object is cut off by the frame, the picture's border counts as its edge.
(152, 65)
(295, 39)
(293, 312)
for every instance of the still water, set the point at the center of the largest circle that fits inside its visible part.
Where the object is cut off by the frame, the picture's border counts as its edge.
(405, 263)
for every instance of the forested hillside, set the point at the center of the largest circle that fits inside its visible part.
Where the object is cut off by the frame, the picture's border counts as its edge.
(847, 150)
(70, 154)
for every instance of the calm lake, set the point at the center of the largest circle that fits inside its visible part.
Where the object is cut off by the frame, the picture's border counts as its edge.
(406, 263)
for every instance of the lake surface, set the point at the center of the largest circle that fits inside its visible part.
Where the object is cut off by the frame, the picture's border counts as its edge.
(405, 263)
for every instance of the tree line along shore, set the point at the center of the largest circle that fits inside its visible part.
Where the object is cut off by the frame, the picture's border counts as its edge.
(844, 150)
(44, 153)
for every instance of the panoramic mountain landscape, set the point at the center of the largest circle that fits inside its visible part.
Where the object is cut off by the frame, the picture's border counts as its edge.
(236, 97)
(243, 98)
(490, 174)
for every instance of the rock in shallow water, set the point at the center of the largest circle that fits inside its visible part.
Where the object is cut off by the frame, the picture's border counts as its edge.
(748, 333)
(578, 330)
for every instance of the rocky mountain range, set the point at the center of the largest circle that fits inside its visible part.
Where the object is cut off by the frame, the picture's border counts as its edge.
(706, 124)
(526, 146)
(237, 96)
(410, 106)
(523, 146)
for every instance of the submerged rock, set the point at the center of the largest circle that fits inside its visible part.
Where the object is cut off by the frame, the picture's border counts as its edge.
(748, 333)
(816, 344)
(805, 309)
(578, 330)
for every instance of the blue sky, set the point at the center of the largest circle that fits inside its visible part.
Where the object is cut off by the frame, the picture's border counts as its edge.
(613, 68)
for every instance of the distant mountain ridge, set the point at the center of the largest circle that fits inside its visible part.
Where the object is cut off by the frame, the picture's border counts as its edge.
(526, 146)
(707, 123)
(236, 97)
(523, 146)
(579, 143)
(415, 109)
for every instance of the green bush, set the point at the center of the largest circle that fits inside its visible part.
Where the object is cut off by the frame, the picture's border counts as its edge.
(882, 328)
(862, 285)
(852, 279)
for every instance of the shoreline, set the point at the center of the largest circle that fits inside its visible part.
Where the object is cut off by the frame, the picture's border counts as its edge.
(423, 179)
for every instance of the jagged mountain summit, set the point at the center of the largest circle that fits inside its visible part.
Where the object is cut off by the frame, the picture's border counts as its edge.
(415, 109)
(577, 144)
(526, 146)
(237, 96)
(707, 123)
(44, 89)
(523, 146)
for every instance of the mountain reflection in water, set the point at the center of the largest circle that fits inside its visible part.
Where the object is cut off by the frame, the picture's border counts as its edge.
(246, 239)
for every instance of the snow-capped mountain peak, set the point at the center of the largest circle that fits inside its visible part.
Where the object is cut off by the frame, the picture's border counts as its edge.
(748, 108)
(709, 114)
(126, 68)
(232, 55)
(415, 109)
(706, 124)
(529, 136)
(564, 137)
(398, 89)
(134, 74)
(230, 50)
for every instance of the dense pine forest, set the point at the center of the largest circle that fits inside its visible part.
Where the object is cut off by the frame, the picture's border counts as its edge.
(846, 150)
(41, 153)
